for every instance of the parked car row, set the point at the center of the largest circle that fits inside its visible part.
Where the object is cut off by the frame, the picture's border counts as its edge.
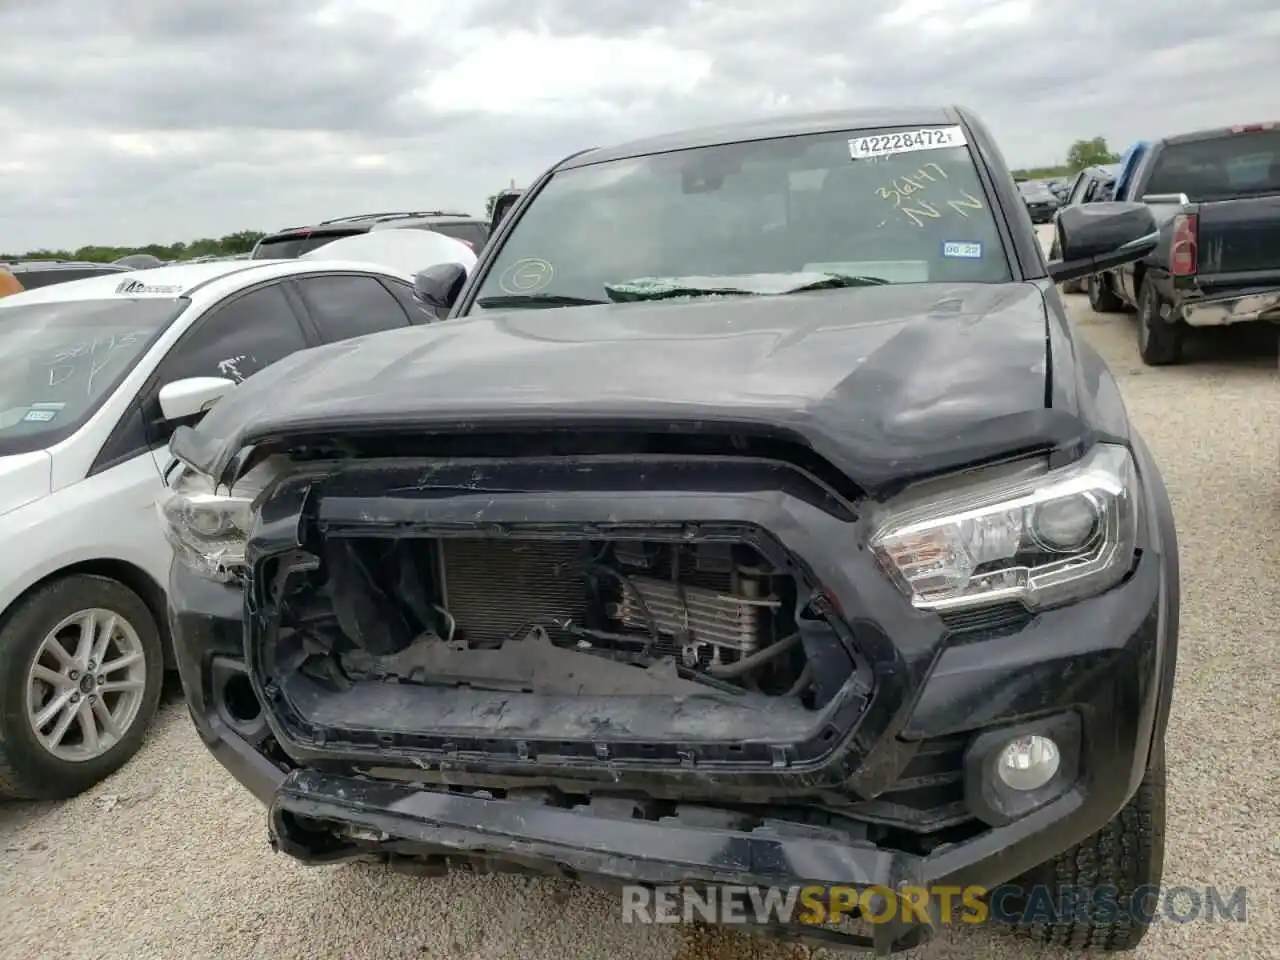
(34, 274)
(282, 245)
(1215, 198)
(295, 241)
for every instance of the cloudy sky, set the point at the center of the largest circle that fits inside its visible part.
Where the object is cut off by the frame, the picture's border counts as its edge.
(134, 121)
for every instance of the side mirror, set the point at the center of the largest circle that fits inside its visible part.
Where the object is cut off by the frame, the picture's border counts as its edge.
(1092, 237)
(505, 201)
(438, 287)
(194, 395)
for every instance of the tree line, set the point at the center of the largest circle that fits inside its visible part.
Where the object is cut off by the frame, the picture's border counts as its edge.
(240, 242)
(1083, 153)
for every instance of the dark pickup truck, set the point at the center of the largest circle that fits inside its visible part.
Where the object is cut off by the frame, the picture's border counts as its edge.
(712, 540)
(1216, 197)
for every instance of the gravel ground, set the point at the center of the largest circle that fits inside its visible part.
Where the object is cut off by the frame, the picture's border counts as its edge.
(169, 858)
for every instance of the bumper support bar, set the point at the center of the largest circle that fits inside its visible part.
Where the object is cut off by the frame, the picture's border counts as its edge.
(604, 851)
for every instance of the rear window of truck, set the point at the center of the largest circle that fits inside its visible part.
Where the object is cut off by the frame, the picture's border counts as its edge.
(474, 234)
(1232, 165)
(290, 246)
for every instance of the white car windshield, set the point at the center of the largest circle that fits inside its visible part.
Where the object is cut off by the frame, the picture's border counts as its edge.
(59, 361)
(798, 207)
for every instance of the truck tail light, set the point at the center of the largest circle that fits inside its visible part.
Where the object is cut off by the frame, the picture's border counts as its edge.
(1253, 127)
(1185, 254)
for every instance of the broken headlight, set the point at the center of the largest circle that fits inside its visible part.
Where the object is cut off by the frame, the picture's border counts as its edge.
(208, 526)
(1036, 536)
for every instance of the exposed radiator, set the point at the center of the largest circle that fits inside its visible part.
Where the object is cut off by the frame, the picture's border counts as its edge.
(714, 619)
(496, 589)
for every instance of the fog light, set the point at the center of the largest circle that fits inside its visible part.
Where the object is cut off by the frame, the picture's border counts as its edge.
(1028, 763)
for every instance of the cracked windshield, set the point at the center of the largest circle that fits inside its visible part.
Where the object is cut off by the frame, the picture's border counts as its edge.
(756, 217)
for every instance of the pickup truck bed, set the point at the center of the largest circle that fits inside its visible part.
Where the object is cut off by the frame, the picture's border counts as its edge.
(1216, 198)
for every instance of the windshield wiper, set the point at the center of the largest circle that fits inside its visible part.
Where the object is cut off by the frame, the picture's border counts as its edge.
(537, 300)
(849, 280)
(760, 285)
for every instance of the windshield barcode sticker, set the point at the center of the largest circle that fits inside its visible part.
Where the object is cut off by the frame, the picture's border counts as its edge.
(906, 141)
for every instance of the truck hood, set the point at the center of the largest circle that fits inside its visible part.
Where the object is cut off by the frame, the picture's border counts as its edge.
(24, 478)
(885, 382)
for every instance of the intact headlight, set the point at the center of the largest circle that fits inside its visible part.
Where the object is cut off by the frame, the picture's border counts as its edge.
(207, 526)
(1042, 540)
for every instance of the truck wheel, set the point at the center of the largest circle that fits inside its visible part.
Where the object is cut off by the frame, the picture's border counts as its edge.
(1067, 286)
(1101, 297)
(1125, 858)
(81, 666)
(1159, 342)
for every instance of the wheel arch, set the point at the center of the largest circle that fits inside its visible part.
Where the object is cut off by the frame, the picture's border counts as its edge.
(123, 572)
(1139, 274)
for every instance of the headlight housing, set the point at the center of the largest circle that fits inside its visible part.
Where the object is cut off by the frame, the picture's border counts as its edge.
(207, 526)
(1042, 538)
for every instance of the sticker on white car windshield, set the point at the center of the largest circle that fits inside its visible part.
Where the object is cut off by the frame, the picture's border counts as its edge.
(906, 141)
(962, 250)
(40, 416)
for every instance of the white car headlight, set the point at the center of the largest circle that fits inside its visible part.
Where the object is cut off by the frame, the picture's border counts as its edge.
(1041, 539)
(207, 526)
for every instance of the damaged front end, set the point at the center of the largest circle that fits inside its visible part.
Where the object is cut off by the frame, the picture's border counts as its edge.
(447, 613)
(649, 659)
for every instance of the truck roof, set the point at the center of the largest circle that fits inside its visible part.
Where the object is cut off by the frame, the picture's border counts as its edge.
(1217, 132)
(769, 128)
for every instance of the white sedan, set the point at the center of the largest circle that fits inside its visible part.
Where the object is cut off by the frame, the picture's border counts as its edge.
(94, 376)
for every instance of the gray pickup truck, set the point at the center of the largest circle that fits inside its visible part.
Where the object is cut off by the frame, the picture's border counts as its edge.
(1215, 195)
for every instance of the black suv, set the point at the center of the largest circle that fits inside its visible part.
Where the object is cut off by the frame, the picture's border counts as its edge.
(33, 274)
(295, 241)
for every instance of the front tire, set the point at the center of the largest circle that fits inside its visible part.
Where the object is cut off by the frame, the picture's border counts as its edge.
(81, 667)
(1055, 253)
(1101, 297)
(1124, 858)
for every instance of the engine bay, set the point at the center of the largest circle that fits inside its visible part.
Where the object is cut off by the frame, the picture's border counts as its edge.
(565, 617)
(671, 636)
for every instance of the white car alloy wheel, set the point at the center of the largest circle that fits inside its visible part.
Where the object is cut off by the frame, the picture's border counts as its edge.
(86, 684)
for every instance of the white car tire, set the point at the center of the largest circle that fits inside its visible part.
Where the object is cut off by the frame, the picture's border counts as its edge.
(81, 668)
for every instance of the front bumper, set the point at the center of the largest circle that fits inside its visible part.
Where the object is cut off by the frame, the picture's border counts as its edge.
(1091, 672)
(602, 852)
